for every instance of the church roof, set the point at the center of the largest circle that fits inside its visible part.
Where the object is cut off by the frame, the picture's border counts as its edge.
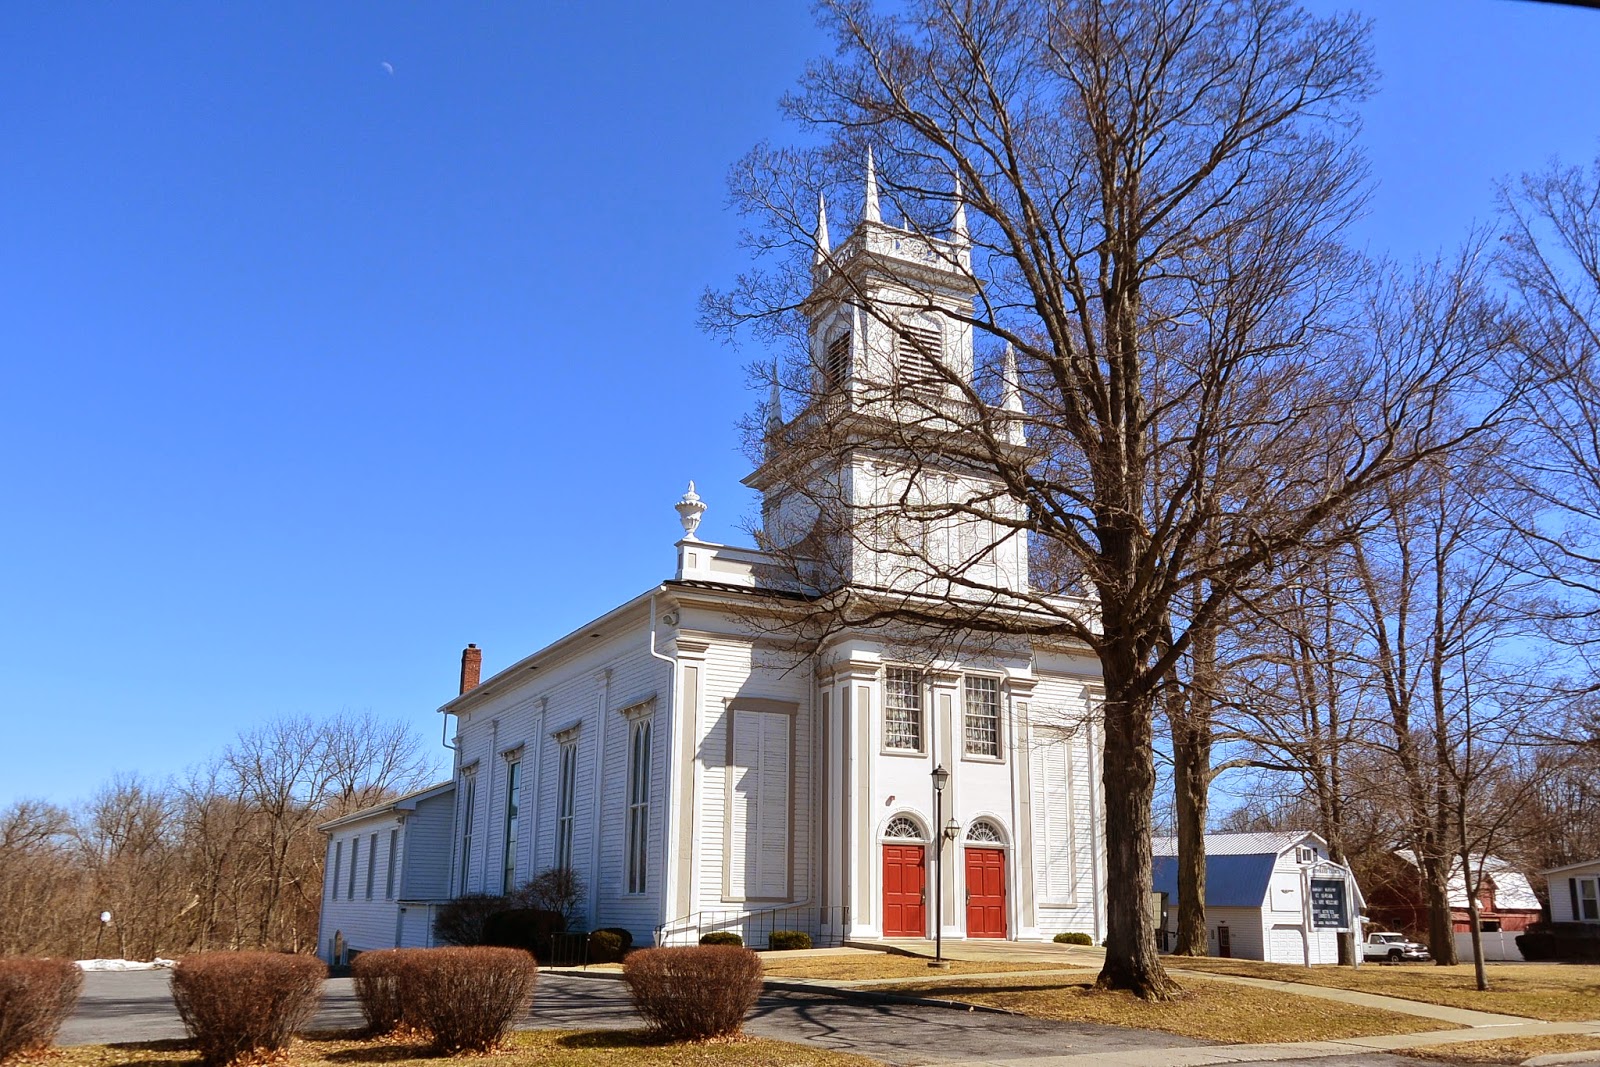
(1231, 881)
(1261, 844)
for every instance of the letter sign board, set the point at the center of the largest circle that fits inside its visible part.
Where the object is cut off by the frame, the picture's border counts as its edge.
(1328, 904)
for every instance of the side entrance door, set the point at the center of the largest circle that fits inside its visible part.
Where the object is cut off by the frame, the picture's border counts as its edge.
(986, 892)
(904, 891)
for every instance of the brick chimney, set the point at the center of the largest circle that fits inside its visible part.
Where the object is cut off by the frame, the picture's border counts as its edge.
(471, 667)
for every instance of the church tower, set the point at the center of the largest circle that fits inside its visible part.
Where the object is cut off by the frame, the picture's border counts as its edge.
(870, 473)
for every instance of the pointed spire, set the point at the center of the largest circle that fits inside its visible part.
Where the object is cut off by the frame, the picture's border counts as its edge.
(823, 247)
(1010, 391)
(958, 225)
(869, 207)
(1011, 397)
(774, 403)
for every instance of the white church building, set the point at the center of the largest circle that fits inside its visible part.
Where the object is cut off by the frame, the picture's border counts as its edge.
(703, 771)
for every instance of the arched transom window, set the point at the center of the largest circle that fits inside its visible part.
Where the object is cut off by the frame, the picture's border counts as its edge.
(983, 832)
(901, 828)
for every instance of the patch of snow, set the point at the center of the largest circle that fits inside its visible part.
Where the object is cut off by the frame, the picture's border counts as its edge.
(123, 965)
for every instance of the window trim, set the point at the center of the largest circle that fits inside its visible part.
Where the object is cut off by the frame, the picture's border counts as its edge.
(566, 801)
(1592, 884)
(469, 804)
(355, 862)
(636, 806)
(394, 855)
(967, 753)
(922, 691)
(508, 864)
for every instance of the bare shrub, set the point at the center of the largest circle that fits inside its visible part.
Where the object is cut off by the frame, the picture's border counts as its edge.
(467, 998)
(244, 1006)
(462, 920)
(688, 994)
(378, 977)
(36, 996)
(557, 889)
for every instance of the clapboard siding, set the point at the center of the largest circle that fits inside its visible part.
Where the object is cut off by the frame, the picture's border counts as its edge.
(1063, 786)
(737, 670)
(425, 849)
(366, 922)
(579, 698)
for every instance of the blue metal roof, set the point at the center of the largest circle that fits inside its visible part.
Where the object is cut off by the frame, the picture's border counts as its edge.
(1231, 881)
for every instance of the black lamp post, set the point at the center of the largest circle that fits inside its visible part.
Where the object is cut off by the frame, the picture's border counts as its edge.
(941, 778)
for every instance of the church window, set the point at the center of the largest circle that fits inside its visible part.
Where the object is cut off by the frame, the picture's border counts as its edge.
(983, 832)
(508, 880)
(919, 353)
(372, 862)
(758, 782)
(836, 362)
(333, 874)
(394, 858)
(902, 710)
(901, 828)
(469, 786)
(566, 802)
(355, 861)
(982, 700)
(639, 735)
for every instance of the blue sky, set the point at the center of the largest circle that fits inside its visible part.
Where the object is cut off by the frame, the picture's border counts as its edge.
(311, 373)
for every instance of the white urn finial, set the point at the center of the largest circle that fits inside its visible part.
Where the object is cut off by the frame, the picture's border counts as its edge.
(690, 508)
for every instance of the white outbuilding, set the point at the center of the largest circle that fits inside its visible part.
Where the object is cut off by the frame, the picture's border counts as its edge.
(1269, 896)
(387, 870)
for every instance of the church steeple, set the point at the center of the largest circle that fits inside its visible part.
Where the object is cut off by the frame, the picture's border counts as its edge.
(959, 234)
(820, 256)
(1011, 397)
(869, 204)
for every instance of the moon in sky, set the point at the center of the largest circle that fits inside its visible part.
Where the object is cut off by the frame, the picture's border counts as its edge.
(388, 68)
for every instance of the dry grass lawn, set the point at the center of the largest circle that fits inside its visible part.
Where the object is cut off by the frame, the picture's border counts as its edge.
(866, 965)
(1556, 992)
(1213, 1011)
(1507, 1050)
(546, 1048)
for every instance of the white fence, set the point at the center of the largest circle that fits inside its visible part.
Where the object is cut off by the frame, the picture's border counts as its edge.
(1498, 946)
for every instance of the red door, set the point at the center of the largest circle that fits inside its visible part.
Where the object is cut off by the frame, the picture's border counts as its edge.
(904, 899)
(986, 892)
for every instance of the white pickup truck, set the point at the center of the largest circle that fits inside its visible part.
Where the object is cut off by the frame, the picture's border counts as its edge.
(1392, 948)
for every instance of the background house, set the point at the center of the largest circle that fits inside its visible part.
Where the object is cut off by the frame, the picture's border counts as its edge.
(1506, 900)
(1575, 892)
(1256, 895)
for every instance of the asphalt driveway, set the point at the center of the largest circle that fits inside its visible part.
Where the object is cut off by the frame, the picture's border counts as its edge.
(137, 1006)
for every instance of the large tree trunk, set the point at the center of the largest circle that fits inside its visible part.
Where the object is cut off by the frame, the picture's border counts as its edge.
(1128, 777)
(1191, 783)
(1435, 891)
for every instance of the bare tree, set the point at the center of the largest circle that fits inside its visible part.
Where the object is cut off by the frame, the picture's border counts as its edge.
(1550, 256)
(1151, 196)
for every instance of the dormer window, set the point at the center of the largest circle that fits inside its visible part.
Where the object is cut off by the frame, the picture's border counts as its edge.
(1305, 854)
(836, 362)
(919, 352)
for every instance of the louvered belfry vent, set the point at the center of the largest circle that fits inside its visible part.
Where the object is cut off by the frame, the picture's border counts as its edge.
(836, 363)
(918, 356)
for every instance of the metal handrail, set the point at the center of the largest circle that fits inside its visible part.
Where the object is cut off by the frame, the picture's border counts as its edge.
(825, 926)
